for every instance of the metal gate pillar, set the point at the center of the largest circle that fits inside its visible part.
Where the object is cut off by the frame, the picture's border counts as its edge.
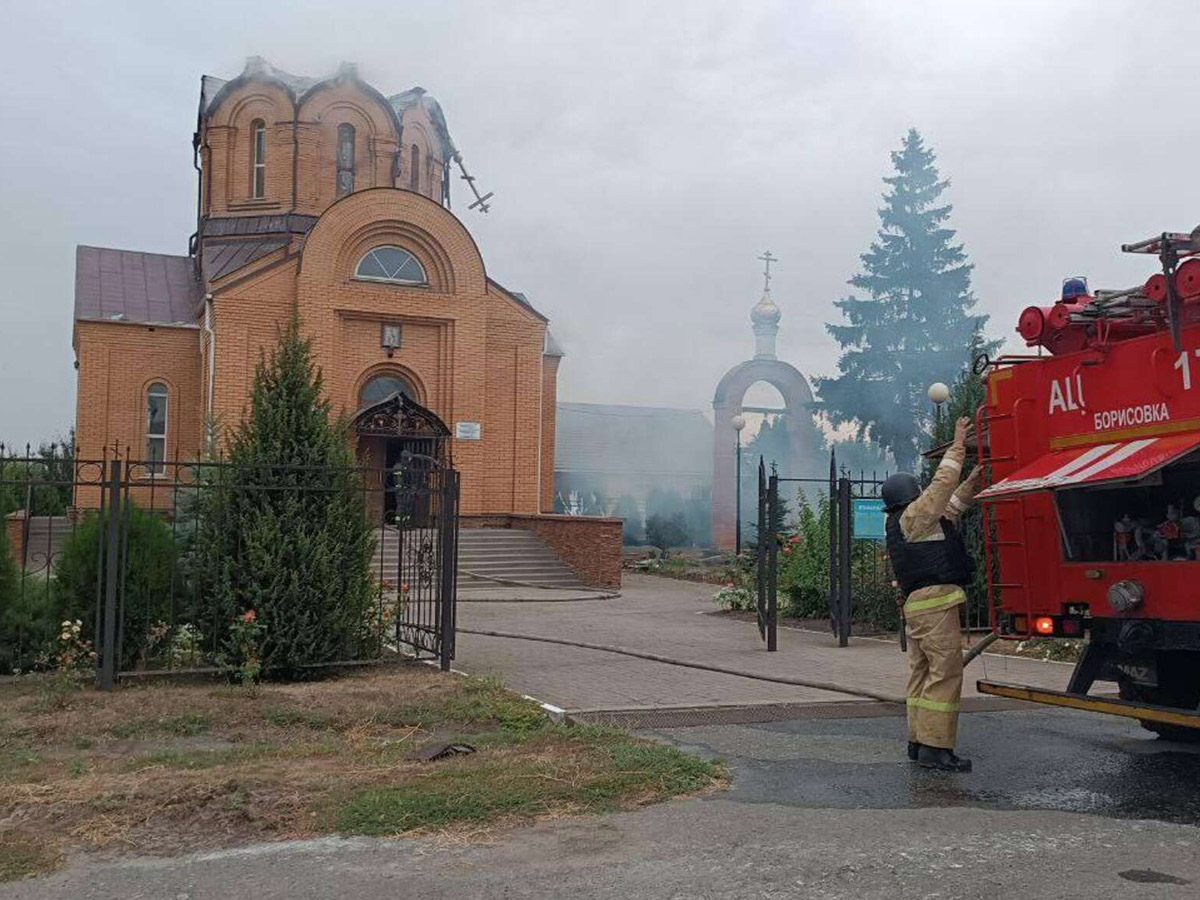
(108, 645)
(843, 558)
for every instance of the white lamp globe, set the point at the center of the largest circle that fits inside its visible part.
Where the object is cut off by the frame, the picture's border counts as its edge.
(938, 392)
(738, 422)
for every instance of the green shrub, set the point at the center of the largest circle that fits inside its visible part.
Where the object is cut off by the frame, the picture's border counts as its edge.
(28, 617)
(804, 562)
(664, 531)
(149, 570)
(282, 528)
(631, 526)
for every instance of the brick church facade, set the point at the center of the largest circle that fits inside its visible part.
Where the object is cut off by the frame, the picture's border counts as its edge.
(325, 196)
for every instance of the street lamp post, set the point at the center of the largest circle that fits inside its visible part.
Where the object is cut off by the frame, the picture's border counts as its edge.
(739, 422)
(938, 394)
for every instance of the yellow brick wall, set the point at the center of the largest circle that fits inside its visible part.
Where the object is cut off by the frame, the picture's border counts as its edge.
(117, 364)
(472, 352)
(300, 158)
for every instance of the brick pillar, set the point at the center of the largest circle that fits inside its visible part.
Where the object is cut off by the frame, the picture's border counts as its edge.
(724, 495)
(14, 526)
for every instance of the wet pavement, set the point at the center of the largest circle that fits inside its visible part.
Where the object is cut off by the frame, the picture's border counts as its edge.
(1028, 759)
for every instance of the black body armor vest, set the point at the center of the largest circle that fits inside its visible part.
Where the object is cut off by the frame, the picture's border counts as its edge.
(918, 564)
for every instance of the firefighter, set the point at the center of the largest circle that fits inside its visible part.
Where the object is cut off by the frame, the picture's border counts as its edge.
(932, 567)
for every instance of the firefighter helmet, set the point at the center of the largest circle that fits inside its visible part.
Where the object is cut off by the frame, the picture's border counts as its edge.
(898, 491)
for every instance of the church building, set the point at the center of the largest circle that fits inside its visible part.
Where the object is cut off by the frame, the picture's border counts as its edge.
(327, 196)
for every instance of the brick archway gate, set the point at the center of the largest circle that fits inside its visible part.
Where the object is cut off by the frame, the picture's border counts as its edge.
(728, 403)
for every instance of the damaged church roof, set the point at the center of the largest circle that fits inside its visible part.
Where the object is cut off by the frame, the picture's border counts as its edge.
(300, 85)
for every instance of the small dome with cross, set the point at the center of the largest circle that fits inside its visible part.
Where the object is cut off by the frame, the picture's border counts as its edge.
(765, 312)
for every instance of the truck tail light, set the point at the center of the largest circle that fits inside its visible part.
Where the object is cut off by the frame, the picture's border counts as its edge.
(1072, 627)
(1043, 625)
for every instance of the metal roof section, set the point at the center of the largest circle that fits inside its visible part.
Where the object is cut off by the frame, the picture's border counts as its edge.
(552, 347)
(221, 258)
(608, 439)
(130, 286)
(516, 296)
(418, 95)
(256, 66)
(239, 226)
(1088, 466)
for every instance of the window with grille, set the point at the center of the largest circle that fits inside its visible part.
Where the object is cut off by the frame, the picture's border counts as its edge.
(258, 159)
(345, 160)
(156, 427)
(394, 265)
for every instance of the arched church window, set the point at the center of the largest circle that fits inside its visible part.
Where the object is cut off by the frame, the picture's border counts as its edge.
(345, 159)
(414, 169)
(394, 265)
(258, 158)
(156, 426)
(383, 386)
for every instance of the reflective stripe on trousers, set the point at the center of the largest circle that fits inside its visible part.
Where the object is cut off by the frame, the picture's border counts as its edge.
(935, 675)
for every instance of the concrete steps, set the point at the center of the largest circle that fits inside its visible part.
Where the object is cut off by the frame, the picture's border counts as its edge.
(488, 557)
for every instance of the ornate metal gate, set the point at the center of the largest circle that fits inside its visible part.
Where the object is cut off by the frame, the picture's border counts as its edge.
(426, 519)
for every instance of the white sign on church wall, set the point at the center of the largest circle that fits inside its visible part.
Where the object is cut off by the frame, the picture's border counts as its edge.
(468, 431)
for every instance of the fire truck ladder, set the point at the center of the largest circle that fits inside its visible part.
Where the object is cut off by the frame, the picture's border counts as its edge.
(983, 421)
(1170, 247)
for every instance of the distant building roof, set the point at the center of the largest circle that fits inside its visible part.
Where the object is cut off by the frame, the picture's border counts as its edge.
(633, 440)
(130, 286)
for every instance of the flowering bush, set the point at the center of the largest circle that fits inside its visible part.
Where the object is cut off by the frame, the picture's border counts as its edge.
(245, 641)
(185, 647)
(734, 598)
(72, 654)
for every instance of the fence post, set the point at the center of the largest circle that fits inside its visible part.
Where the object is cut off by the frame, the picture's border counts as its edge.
(760, 551)
(844, 570)
(449, 522)
(773, 564)
(834, 607)
(108, 649)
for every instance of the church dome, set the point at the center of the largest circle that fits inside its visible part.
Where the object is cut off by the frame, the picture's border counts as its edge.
(765, 312)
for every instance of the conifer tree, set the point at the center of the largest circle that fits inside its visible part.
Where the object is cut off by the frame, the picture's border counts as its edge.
(283, 526)
(916, 324)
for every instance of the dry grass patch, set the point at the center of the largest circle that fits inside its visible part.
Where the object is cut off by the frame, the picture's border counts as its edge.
(167, 768)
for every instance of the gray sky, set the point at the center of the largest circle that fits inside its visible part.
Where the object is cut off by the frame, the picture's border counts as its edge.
(642, 155)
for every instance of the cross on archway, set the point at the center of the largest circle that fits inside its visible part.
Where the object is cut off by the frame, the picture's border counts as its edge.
(767, 259)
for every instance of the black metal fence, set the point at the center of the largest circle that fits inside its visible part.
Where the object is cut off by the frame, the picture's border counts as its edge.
(858, 581)
(146, 555)
(854, 576)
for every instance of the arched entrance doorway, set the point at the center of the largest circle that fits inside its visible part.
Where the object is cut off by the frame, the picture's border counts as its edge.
(401, 442)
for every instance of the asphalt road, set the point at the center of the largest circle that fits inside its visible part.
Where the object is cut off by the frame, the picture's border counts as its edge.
(1061, 805)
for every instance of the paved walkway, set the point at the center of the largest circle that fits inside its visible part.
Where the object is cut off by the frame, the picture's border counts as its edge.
(667, 617)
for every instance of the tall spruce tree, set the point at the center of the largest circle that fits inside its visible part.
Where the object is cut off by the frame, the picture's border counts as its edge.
(283, 526)
(916, 325)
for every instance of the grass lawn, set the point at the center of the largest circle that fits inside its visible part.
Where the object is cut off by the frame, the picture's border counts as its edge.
(168, 768)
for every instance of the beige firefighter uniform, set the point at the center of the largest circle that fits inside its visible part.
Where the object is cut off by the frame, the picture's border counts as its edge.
(934, 637)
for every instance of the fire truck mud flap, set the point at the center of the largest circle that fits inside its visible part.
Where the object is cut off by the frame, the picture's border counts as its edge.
(1144, 712)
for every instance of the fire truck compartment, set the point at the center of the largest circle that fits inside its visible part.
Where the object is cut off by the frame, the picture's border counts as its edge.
(1155, 518)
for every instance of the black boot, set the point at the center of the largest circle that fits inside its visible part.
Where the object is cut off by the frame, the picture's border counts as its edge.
(913, 750)
(941, 759)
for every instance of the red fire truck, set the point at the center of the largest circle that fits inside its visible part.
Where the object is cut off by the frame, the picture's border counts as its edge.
(1092, 505)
